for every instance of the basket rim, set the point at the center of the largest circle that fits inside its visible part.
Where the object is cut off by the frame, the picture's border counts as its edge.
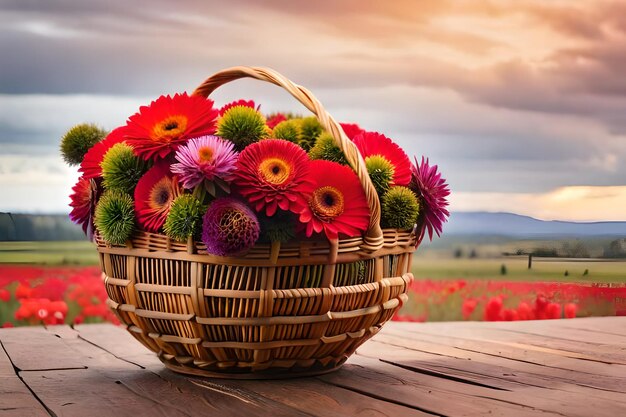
(296, 252)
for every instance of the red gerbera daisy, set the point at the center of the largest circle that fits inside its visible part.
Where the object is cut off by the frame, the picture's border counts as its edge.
(351, 130)
(83, 204)
(273, 173)
(242, 102)
(274, 119)
(375, 144)
(90, 167)
(338, 204)
(154, 194)
(158, 129)
(432, 191)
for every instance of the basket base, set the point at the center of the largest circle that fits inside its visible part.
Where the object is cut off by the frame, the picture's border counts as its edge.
(273, 373)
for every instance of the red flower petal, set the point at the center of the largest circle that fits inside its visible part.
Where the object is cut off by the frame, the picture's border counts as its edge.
(274, 172)
(90, 167)
(154, 194)
(372, 143)
(158, 129)
(337, 204)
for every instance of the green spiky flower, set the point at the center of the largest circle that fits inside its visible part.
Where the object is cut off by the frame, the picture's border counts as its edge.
(122, 169)
(287, 130)
(381, 173)
(185, 218)
(115, 217)
(242, 125)
(278, 228)
(310, 129)
(325, 148)
(78, 140)
(400, 208)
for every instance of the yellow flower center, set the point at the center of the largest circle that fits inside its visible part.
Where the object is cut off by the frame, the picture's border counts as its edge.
(169, 128)
(161, 194)
(326, 202)
(275, 170)
(205, 154)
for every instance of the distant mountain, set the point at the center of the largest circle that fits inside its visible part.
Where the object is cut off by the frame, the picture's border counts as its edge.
(515, 225)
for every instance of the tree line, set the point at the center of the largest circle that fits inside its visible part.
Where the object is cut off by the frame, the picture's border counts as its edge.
(38, 227)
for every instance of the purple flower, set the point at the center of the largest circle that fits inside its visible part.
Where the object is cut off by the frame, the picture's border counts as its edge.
(432, 191)
(229, 227)
(207, 158)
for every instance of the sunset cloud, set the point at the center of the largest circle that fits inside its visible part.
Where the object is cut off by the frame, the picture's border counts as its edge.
(516, 97)
(565, 203)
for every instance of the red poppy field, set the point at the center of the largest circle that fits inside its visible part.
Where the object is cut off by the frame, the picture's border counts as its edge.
(54, 295)
(450, 300)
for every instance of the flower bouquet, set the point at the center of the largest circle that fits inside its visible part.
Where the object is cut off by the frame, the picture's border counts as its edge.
(242, 245)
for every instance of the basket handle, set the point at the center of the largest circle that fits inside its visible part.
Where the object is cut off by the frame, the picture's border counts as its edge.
(373, 239)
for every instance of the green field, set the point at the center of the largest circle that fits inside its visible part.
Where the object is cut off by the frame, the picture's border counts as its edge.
(424, 267)
(49, 253)
(543, 269)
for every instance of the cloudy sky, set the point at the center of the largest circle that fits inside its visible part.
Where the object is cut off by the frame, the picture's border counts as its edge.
(521, 103)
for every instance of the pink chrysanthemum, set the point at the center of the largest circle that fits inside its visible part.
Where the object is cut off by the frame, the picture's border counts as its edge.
(375, 144)
(432, 190)
(337, 204)
(204, 159)
(83, 204)
(229, 227)
(272, 174)
(154, 194)
(158, 129)
(241, 102)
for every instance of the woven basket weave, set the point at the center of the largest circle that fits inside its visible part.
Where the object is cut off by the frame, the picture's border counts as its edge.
(297, 309)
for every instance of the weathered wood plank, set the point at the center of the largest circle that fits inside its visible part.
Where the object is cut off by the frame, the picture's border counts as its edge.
(32, 348)
(576, 334)
(609, 325)
(572, 348)
(516, 333)
(474, 341)
(497, 365)
(428, 393)
(307, 395)
(532, 391)
(469, 369)
(170, 392)
(15, 398)
(596, 330)
(118, 342)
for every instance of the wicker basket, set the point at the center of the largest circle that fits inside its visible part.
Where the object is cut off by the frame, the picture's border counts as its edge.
(279, 311)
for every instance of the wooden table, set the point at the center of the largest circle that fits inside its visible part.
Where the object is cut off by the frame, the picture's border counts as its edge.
(548, 368)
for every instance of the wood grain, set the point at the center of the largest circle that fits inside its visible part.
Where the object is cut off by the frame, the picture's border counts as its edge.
(556, 368)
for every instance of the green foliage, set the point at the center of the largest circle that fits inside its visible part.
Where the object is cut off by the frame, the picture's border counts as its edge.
(122, 169)
(381, 173)
(325, 148)
(287, 130)
(278, 228)
(77, 141)
(400, 208)
(243, 126)
(115, 217)
(185, 218)
(310, 129)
